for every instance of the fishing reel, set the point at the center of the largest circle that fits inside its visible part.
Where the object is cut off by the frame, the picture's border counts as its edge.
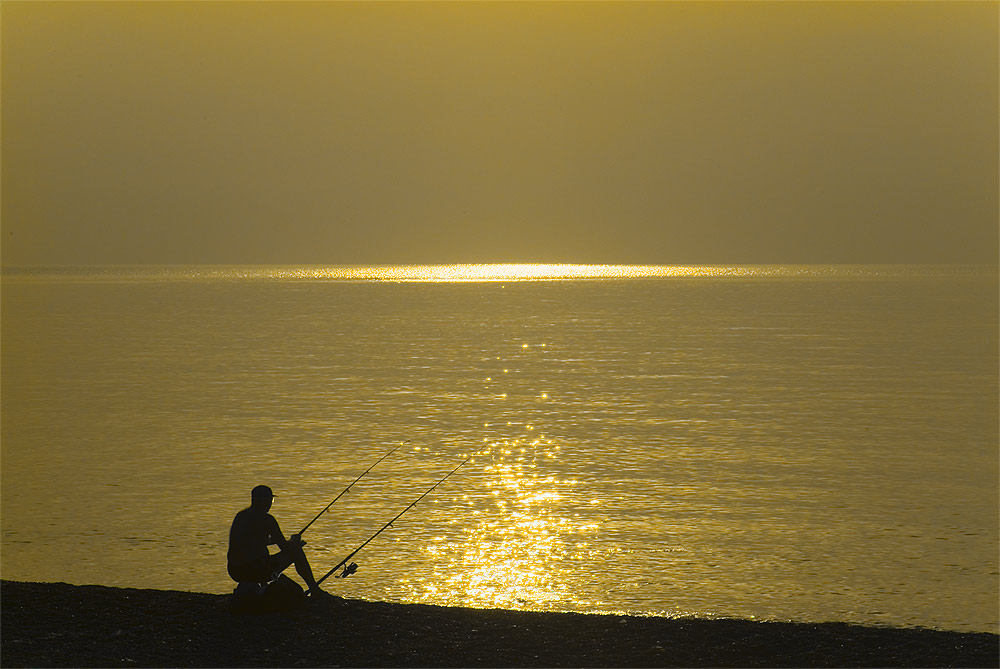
(348, 570)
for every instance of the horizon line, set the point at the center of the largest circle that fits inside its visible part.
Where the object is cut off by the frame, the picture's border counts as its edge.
(474, 272)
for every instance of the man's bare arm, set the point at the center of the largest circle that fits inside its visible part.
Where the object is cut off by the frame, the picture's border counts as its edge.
(278, 537)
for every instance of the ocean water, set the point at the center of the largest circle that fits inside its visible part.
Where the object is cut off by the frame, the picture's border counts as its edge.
(789, 443)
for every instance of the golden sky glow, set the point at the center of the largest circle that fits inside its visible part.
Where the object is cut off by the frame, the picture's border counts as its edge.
(583, 132)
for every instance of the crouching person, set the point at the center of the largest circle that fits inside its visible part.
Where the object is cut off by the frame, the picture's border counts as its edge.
(250, 563)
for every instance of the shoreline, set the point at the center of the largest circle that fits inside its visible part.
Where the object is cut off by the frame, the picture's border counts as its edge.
(57, 624)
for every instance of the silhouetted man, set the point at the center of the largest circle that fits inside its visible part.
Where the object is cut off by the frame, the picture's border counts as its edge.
(253, 530)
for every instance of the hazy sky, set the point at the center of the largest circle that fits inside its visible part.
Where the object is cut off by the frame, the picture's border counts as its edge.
(660, 132)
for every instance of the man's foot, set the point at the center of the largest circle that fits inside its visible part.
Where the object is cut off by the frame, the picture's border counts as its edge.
(317, 593)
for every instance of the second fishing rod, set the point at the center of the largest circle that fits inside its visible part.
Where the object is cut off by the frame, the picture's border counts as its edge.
(360, 476)
(353, 567)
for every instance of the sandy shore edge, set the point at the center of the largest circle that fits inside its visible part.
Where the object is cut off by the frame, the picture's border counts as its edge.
(56, 624)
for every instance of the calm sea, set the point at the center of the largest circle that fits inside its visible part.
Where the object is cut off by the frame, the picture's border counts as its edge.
(788, 443)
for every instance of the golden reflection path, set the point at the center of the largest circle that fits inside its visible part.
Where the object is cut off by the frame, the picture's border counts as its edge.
(521, 543)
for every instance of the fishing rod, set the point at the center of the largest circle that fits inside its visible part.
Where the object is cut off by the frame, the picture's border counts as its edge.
(353, 567)
(349, 487)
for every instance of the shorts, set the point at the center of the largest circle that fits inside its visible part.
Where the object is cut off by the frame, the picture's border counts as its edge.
(264, 570)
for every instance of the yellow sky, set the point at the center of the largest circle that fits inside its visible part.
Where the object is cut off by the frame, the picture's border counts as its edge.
(655, 132)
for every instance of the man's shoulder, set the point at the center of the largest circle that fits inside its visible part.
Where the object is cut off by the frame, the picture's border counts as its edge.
(248, 515)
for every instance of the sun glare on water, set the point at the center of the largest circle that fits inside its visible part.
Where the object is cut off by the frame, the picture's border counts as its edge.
(526, 272)
(495, 272)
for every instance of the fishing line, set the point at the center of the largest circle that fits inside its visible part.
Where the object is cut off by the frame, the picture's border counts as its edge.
(353, 567)
(301, 532)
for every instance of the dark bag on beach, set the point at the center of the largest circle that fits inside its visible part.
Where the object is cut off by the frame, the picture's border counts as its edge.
(279, 595)
(283, 593)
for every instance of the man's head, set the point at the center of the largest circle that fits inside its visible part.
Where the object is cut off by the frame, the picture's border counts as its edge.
(261, 498)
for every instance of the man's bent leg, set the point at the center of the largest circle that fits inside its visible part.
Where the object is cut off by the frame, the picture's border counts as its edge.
(295, 555)
(303, 569)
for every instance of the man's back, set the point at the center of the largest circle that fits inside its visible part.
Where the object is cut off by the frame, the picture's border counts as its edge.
(249, 536)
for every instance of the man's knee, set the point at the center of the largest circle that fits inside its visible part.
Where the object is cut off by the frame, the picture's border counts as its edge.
(295, 554)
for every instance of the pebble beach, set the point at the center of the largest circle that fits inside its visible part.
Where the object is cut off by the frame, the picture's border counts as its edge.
(62, 625)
